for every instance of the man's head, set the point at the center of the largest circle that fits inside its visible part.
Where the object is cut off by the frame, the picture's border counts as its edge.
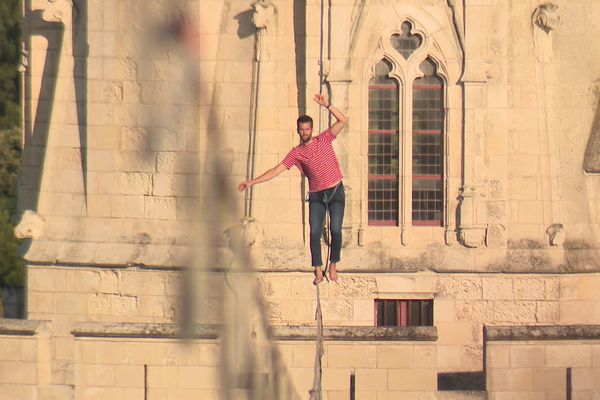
(305, 127)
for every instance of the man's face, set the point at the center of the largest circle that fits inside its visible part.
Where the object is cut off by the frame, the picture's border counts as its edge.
(305, 131)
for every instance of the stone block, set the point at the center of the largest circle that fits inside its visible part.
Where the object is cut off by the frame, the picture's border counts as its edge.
(530, 288)
(443, 310)
(498, 356)
(549, 379)
(97, 375)
(425, 356)
(449, 357)
(160, 207)
(497, 288)
(371, 379)
(363, 311)
(201, 354)
(99, 205)
(456, 333)
(198, 378)
(395, 356)
(64, 349)
(163, 185)
(394, 284)
(522, 356)
(547, 312)
(88, 281)
(414, 379)
(520, 395)
(101, 393)
(514, 311)
(510, 379)
(409, 395)
(55, 392)
(586, 379)
(113, 305)
(303, 355)
(127, 206)
(336, 378)
(459, 288)
(135, 183)
(162, 376)
(357, 356)
(568, 355)
(71, 303)
(11, 349)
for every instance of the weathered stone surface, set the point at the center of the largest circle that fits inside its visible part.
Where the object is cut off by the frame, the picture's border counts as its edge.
(554, 332)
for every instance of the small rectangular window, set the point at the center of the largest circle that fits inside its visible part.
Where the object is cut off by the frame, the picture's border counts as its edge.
(398, 312)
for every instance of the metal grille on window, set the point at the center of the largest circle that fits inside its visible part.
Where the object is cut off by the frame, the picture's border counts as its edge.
(404, 312)
(427, 151)
(383, 153)
(405, 43)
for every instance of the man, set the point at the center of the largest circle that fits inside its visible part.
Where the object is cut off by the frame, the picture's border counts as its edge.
(315, 158)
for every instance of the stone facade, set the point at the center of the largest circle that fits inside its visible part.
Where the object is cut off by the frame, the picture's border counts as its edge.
(142, 116)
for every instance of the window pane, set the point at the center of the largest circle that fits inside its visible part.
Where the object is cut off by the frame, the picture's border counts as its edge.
(405, 42)
(383, 151)
(428, 149)
(397, 312)
(391, 313)
(380, 315)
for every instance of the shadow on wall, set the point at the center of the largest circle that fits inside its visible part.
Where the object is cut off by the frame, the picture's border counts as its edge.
(591, 160)
(246, 27)
(36, 136)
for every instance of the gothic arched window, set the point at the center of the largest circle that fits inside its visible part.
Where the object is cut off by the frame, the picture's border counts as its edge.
(406, 134)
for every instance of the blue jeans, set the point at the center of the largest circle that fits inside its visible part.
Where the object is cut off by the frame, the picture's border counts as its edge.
(333, 199)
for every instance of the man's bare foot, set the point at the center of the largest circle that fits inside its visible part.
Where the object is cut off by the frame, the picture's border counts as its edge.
(318, 276)
(333, 275)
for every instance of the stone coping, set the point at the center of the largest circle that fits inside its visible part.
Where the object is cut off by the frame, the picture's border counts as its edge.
(9, 326)
(542, 332)
(357, 333)
(143, 330)
(174, 331)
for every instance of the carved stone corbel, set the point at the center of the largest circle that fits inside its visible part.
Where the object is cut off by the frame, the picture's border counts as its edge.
(556, 235)
(546, 17)
(59, 11)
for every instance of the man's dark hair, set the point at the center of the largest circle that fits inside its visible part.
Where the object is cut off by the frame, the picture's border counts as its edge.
(304, 119)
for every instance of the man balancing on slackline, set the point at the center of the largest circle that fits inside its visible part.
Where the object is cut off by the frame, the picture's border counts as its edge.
(315, 158)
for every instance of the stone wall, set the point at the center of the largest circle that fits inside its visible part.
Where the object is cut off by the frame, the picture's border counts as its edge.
(555, 362)
(116, 142)
(463, 303)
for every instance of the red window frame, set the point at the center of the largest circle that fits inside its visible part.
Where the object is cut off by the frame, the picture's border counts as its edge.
(404, 312)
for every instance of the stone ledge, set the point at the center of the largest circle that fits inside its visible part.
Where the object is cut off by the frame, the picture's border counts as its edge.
(141, 330)
(542, 332)
(23, 327)
(357, 333)
(174, 331)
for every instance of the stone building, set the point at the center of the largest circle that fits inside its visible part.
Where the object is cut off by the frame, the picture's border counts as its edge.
(472, 228)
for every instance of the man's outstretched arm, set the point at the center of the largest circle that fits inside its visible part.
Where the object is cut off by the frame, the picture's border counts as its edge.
(266, 176)
(339, 116)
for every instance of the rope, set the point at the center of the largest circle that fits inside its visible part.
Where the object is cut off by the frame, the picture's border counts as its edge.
(316, 392)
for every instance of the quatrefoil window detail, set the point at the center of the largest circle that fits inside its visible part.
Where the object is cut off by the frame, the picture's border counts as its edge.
(406, 43)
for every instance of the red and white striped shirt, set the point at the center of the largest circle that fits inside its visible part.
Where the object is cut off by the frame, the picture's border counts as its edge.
(317, 161)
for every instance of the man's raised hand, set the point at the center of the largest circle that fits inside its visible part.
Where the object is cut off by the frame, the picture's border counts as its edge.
(243, 186)
(322, 100)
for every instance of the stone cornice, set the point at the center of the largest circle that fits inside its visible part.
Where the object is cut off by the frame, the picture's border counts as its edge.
(357, 333)
(19, 327)
(542, 332)
(174, 331)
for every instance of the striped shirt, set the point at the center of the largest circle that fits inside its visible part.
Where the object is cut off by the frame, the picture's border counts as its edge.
(317, 161)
